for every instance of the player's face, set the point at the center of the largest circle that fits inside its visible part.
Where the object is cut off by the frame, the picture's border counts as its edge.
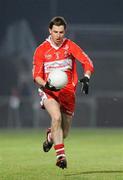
(57, 34)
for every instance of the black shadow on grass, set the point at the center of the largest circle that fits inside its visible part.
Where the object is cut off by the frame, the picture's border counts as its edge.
(94, 172)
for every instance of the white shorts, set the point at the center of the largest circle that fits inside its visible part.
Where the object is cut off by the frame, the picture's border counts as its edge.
(42, 95)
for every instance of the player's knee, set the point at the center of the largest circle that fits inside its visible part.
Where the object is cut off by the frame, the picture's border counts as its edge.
(56, 120)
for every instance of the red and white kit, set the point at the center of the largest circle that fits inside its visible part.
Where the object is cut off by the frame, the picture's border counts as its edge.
(48, 57)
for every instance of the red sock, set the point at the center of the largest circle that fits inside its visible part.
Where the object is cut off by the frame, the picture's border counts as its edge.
(59, 148)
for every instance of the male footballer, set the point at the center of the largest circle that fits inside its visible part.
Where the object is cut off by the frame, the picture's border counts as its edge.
(57, 51)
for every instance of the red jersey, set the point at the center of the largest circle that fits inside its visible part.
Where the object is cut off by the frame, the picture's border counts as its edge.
(48, 57)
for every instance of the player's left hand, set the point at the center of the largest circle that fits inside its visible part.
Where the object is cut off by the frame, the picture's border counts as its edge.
(84, 85)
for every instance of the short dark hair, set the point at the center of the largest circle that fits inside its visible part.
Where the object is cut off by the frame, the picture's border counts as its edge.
(58, 21)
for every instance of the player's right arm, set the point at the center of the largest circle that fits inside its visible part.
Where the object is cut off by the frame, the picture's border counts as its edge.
(40, 82)
(37, 71)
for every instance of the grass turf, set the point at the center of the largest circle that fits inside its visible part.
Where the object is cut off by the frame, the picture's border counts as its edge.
(93, 154)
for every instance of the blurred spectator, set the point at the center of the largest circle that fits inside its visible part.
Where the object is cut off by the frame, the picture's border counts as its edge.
(36, 113)
(13, 111)
(25, 90)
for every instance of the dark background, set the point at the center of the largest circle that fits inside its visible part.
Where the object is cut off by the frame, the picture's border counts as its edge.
(39, 12)
(97, 26)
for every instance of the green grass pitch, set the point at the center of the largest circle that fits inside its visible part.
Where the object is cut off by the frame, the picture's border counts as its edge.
(92, 154)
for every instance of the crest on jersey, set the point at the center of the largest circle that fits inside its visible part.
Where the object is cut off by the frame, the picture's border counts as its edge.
(48, 56)
(66, 47)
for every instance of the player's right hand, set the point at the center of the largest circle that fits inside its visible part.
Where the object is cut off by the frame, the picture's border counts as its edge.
(50, 87)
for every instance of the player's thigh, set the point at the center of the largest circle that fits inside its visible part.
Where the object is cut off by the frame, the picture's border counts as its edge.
(66, 123)
(53, 108)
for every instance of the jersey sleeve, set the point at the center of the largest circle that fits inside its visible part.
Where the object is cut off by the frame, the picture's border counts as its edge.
(38, 64)
(81, 56)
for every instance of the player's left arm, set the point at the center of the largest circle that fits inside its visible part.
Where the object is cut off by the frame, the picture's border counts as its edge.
(82, 57)
(87, 64)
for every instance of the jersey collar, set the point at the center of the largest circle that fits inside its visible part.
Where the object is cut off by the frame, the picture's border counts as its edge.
(53, 45)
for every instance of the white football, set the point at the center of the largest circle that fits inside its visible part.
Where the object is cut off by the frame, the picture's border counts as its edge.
(57, 78)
